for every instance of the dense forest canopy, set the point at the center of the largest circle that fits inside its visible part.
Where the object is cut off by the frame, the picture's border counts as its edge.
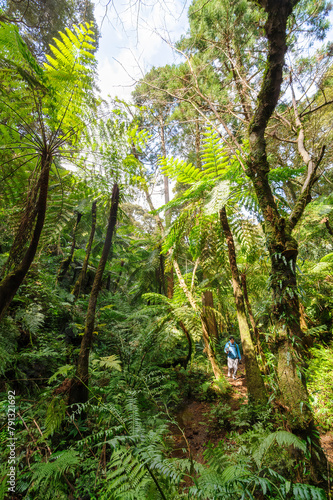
(176, 351)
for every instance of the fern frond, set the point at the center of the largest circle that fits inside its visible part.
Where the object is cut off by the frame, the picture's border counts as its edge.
(55, 415)
(111, 362)
(282, 438)
(47, 476)
(218, 198)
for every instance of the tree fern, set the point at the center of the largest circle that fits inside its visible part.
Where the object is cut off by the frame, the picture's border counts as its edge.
(218, 198)
(214, 156)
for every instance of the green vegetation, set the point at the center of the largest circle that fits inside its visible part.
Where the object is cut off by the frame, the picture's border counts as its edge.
(114, 313)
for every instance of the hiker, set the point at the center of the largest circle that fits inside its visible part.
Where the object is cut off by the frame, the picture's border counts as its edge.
(232, 350)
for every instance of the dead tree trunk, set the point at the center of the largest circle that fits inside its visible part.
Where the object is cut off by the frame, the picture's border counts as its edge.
(79, 387)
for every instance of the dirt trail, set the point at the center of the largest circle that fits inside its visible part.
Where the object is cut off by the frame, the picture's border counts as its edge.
(194, 430)
(326, 441)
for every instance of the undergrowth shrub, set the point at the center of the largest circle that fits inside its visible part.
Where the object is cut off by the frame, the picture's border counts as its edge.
(320, 384)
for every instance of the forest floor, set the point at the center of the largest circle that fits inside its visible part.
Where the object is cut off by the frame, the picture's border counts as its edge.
(194, 429)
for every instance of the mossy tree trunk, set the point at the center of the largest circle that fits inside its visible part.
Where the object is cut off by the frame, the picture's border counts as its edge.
(80, 281)
(282, 247)
(255, 384)
(79, 387)
(10, 284)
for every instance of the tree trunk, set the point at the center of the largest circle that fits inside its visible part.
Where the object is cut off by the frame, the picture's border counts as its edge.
(253, 323)
(170, 284)
(289, 339)
(278, 231)
(79, 387)
(208, 305)
(79, 282)
(10, 284)
(66, 262)
(255, 384)
(207, 342)
(303, 323)
(329, 228)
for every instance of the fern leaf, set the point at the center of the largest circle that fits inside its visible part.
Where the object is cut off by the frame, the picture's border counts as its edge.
(218, 198)
(282, 438)
(111, 362)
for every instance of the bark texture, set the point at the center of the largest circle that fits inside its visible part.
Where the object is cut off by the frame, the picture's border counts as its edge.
(255, 384)
(79, 389)
(208, 306)
(10, 284)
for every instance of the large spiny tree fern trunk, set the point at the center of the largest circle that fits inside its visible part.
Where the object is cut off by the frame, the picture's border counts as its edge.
(282, 246)
(79, 282)
(10, 284)
(255, 384)
(79, 388)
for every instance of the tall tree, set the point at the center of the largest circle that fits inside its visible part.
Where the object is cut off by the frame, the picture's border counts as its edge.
(35, 134)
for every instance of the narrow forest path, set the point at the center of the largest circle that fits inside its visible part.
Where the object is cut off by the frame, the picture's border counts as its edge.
(195, 429)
